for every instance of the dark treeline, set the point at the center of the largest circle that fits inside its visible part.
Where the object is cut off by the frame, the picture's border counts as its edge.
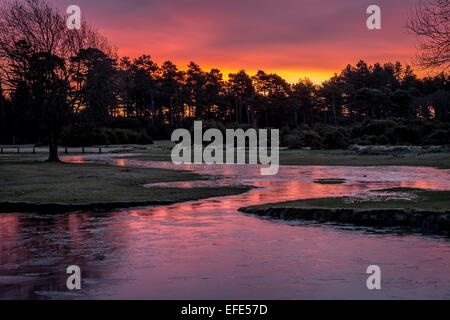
(83, 94)
(152, 100)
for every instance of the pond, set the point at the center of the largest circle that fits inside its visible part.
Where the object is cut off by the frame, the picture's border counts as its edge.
(209, 250)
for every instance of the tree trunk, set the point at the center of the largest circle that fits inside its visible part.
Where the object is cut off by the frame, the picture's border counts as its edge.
(52, 148)
(254, 120)
(152, 107)
(171, 111)
(334, 111)
(236, 111)
(248, 113)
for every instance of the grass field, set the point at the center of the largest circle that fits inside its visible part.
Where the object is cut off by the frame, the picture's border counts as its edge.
(162, 149)
(43, 182)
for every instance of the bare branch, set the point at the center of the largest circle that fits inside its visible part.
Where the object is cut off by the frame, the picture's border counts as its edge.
(430, 21)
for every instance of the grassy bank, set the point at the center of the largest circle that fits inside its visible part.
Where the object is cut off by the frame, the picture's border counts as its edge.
(421, 199)
(421, 208)
(83, 184)
(162, 149)
(346, 158)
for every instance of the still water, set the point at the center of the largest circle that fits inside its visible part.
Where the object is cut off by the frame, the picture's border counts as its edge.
(209, 250)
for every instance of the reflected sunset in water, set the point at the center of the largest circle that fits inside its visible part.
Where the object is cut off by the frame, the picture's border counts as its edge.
(184, 250)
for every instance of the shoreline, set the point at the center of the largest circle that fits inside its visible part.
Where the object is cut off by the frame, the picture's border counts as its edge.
(427, 210)
(428, 221)
(60, 208)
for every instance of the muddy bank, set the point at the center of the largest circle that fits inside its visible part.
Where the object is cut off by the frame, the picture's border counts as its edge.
(422, 219)
(54, 208)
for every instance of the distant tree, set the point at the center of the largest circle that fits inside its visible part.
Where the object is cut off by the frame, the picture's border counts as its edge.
(430, 21)
(275, 91)
(409, 78)
(392, 75)
(303, 101)
(172, 90)
(440, 101)
(401, 107)
(138, 85)
(96, 76)
(146, 73)
(241, 90)
(125, 85)
(372, 103)
(360, 76)
(196, 80)
(215, 94)
(332, 91)
(22, 117)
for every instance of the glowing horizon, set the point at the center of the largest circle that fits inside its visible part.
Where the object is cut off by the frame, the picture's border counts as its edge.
(295, 38)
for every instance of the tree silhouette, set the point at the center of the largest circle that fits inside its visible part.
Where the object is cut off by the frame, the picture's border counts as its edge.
(430, 21)
(173, 92)
(34, 39)
(241, 90)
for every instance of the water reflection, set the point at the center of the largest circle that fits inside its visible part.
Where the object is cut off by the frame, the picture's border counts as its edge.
(207, 249)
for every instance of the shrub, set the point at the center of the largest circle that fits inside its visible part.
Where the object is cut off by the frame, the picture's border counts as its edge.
(376, 127)
(367, 140)
(99, 136)
(110, 136)
(122, 136)
(336, 139)
(132, 136)
(439, 137)
(383, 140)
(127, 136)
(235, 126)
(144, 138)
(312, 139)
(407, 134)
(77, 135)
(127, 123)
(293, 140)
(299, 138)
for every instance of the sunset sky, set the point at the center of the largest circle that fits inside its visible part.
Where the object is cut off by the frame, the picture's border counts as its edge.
(294, 38)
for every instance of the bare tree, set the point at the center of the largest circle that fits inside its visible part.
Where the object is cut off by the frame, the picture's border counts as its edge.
(430, 21)
(31, 31)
